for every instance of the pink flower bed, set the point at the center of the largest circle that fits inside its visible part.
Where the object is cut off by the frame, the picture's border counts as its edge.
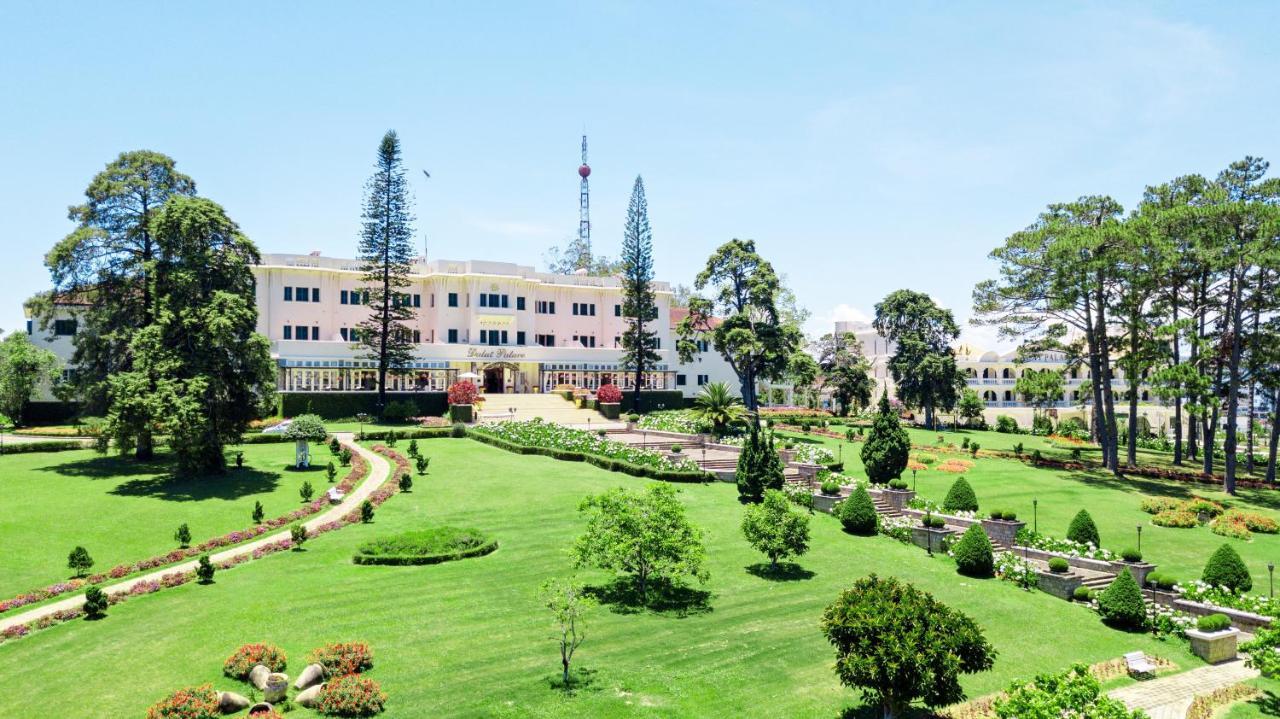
(176, 579)
(359, 468)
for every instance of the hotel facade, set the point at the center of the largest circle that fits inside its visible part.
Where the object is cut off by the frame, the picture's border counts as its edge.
(516, 329)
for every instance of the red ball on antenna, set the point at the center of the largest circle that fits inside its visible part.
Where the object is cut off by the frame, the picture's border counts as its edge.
(585, 170)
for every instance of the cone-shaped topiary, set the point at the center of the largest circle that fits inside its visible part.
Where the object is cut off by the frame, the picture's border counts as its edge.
(772, 476)
(1083, 530)
(886, 451)
(1121, 605)
(747, 474)
(973, 553)
(858, 513)
(1226, 569)
(960, 498)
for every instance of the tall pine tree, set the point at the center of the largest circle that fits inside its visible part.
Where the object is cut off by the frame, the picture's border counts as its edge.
(639, 306)
(385, 254)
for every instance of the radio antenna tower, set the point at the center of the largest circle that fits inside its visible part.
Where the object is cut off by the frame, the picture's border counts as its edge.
(584, 202)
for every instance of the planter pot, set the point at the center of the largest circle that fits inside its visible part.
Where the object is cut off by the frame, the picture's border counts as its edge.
(1060, 584)
(897, 498)
(463, 413)
(1002, 533)
(1214, 647)
(925, 537)
(611, 410)
(826, 502)
(277, 688)
(1139, 570)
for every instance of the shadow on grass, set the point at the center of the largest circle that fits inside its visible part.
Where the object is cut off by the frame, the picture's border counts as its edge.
(1268, 704)
(581, 679)
(622, 596)
(784, 572)
(873, 711)
(110, 466)
(194, 488)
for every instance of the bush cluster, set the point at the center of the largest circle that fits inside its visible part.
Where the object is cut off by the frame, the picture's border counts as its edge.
(188, 703)
(247, 656)
(1083, 530)
(933, 521)
(1131, 555)
(342, 658)
(1004, 514)
(960, 498)
(1006, 424)
(1160, 580)
(609, 463)
(1178, 518)
(351, 696)
(1213, 623)
(1121, 604)
(973, 554)
(430, 546)
(1082, 594)
(1059, 565)
(1226, 569)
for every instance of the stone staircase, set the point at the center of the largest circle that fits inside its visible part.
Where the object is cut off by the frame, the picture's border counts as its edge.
(550, 407)
(883, 507)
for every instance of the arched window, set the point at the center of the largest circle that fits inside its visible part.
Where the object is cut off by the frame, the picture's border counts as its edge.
(1075, 373)
(1008, 396)
(1007, 373)
(986, 373)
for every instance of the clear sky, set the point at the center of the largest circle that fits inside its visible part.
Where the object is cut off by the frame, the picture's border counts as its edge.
(866, 147)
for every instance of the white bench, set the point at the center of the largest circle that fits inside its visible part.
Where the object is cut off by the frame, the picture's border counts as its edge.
(335, 495)
(1139, 665)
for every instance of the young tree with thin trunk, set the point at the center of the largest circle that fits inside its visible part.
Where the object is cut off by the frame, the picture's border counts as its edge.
(569, 605)
(639, 305)
(385, 253)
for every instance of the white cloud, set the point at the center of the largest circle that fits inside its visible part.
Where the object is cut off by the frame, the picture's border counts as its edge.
(821, 323)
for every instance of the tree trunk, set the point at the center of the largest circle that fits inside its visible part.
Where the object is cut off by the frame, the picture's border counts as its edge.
(1275, 436)
(1177, 399)
(145, 450)
(1104, 359)
(1233, 386)
(1131, 458)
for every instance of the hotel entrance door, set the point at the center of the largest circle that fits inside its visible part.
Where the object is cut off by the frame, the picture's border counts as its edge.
(493, 381)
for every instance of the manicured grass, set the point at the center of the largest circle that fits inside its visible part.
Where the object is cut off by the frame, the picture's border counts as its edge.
(1113, 503)
(1265, 706)
(123, 511)
(470, 638)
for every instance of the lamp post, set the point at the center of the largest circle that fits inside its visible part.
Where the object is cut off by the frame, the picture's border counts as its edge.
(362, 417)
(1139, 539)
(913, 480)
(1271, 579)
(1035, 516)
(928, 531)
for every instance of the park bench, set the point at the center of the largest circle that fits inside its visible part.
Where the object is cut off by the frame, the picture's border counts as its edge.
(1139, 665)
(335, 495)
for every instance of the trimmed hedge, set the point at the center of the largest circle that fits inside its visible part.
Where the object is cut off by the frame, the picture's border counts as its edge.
(261, 438)
(612, 465)
(339, 405)
(49, 412)
(974, 557)
(1083, 530)
(858, 513)
(407, 560)
(960, 498)
(653, 400)
(1226, 569)
(411, 433)
(53, 445)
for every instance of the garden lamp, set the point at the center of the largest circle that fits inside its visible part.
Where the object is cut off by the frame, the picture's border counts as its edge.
(1035, 516)
(913, 480)
(1271, 578)
(929, 533)
(1139, 539)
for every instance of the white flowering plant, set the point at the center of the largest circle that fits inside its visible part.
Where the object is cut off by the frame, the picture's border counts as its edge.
(1043, 542)
(674, 420)
(1198, 591)
(1012, 568)
(549, 435)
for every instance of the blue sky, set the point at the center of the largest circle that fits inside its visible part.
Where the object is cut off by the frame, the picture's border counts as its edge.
(866, 147)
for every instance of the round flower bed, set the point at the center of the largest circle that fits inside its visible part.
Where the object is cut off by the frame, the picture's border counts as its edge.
(188, 703)
(247, 656)
(342, 658)
(351, 696)
(426, 546)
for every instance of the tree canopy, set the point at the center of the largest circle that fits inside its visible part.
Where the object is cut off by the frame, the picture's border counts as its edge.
(923, 364)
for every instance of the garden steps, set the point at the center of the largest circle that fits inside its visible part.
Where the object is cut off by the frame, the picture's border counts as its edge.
(883, 507)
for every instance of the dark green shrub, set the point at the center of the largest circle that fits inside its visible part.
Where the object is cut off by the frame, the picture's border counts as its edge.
(1006, 424)
(858, 513)
(183, 535)
(399, 411)
(1167, 582)
(330, 471)
(898, 484)
(933, 521)
(366, 511)
(1017, 449)
(1041, 425)
(974, 557)
(1059, 565)
(1036, 457)
(459, 430)
(95, 603)
(422, 462)
(1226, 569)
(205, 570)
(633, 417)
(1131, 555)
(306, 491)
(345, 457)
(1082, 594)
(413, 448)
(973, 449)
(79, 561)
(334, 446)
(887, 449)
(1075, 454)
(830, 486)
(960, 498)
(1083, 530)
(1009, 516)
(406, 482)
(298, 535)
(1121, 604)
(1213, 623)
(964, 443)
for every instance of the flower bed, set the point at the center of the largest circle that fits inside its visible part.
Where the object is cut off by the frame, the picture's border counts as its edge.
(1043, 542)
(248, 656)
(351, 696)
(359, 469)
(560, 442)
(673, 420)
(342, 658)
(1198, 591)
(188, 703)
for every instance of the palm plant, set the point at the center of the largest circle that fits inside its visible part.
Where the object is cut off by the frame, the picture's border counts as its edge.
(717, 405)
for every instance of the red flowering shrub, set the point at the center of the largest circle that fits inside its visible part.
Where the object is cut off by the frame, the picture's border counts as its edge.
(342, 658)
(269, 714)
(609, 393)
(247, 656)
(188, 703)
(463, 392)
(351, 696)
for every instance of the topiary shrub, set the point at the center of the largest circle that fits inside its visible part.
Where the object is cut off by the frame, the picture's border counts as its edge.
(188, 703)
(932, 521)
(1058, 565)
(1121, 604)
(973, 554)
(1213, 623)
(1226, 569)
(1082, 594)
(858, 513)
(1131, 555)
(960, 498)
(888, 447)
(458, 430)
(609, 394)
(830, 486)
(1083, 530)
(237, 665)
(205, 570)
(898, 484)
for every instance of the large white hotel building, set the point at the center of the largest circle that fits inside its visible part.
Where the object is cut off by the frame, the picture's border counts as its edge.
(519, 330)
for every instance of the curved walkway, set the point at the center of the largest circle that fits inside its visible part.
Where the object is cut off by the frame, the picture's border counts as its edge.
(379, 471)
(1170, 697)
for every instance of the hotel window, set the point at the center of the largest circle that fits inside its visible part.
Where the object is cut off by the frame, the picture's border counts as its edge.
(702, 379)
(681, 380)
(288, 332)
(657, 343)
(64, 328)
(342, 332)
(315, 294)
(585, 340)
(520, 338)
(545, 340)
(342, 297)
(484, 300)
(288, 294)
(417, 300)
(543, 307)
(617, 310)
(584, 309)
(453, 337)
(433, 299)
(28, 326)
(417, 337)
(453, 300)
(301, 332)
(315, 333)
(520, 304)
(702, 345)
(302, 294)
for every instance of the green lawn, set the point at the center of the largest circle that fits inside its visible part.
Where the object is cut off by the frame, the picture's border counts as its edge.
(1265, 706)
(468, 638)
(124, 511)
(1113, 503)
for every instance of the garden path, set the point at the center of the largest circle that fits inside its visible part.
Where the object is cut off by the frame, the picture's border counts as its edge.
(1170, 697)
(379, 471)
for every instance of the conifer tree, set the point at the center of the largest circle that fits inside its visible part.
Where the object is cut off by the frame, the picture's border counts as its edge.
(748, 472)
(885, 453)
(639, 306)
(385, 253)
